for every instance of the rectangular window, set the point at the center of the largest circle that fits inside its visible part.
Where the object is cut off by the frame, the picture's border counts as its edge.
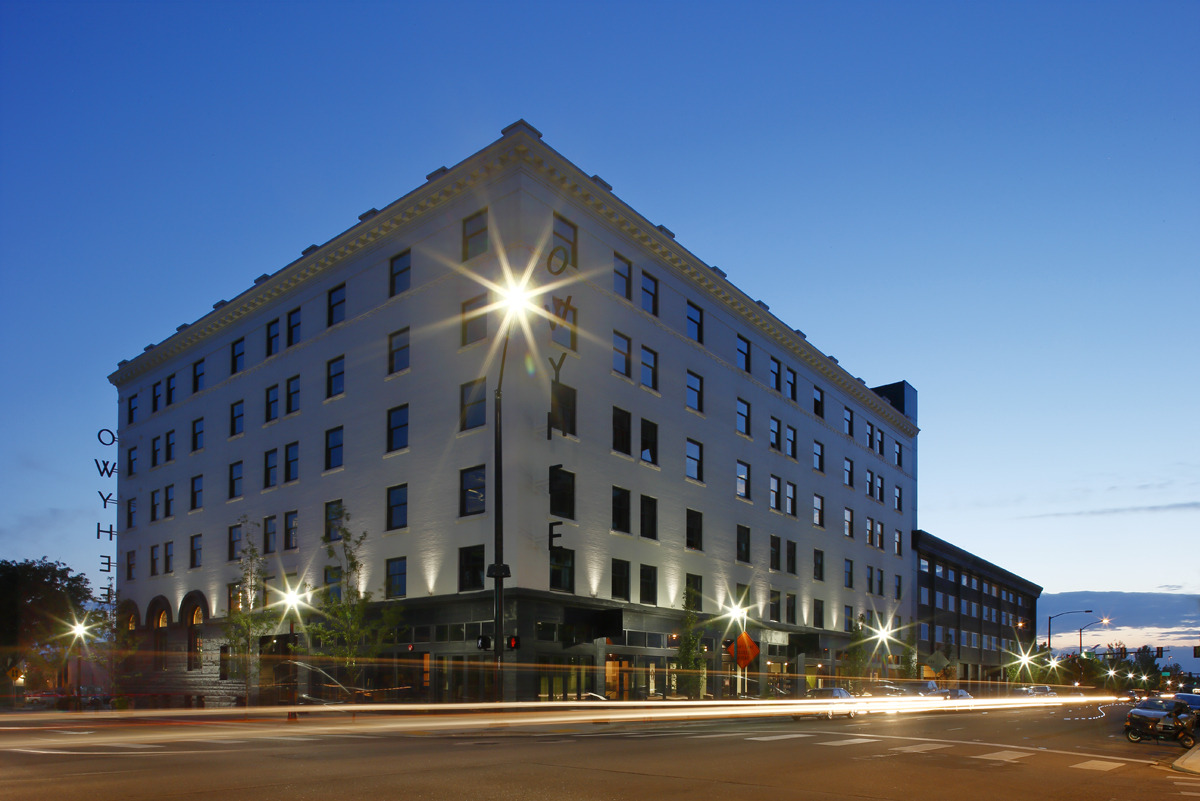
(870, 483)
(472, 404)
(899, 581)
(789, 499)
(293, 395)
(131, 409)
(197, 492)
(168, 557)
(743, 353)
(693, 586)
(400, 275)
(197, 375)
(773, 605)
(566, 236)
(195, 553)
(649, 451)
(397, 428)
(271, 403)
(848, 618)
(789, 384)
(847, 421)
(897, 455)
(649, 585)
(848, 578)
(397, 578)
(156, 396)
(819, 402)
(818, 565)
(649, 368)
(130, 512)
(235, 480)
(169, 500)
(335, 305)
(776, 552)
(237, 356)
(335, 377)
(649, 294)
(897, 543)
(774, 493)
(473, 321)
(743, 417)
(848, 472)
(620, 580)
(848, 523)
(818, 511)
(154, 499)
(269, 534)
(742, 485)
(695, 392)
(155, 451)
(291, 531)
(775, 434)
(789, 609)
(197, 434)
(870, 577)
(563, 407)
(897, 499)
(333, 583)
(776, 373)
(293, 327)
(291, 461)
(131, 460)
(564, 324)
(694, 530)
(470, 568)
(397, 507)
(169, 446)
(818, 613)
(398, 351)
(333, 448)
(235, 543)
(562, 569)
(475, 236)
(562, 492)
(622, 354)
(621, 511)
(694, 460)
(622, 431)
(130, 564)
(649, 517)
(743, 543)
(237, 412)
(471, 484)
(622, 278)
(270, 468)
(695, 322)
(818, 457)
(334, 518)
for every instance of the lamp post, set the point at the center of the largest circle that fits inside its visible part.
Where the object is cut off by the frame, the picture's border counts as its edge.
(79, 632)
(737, 613)
(1103, 620)
(1049, 645)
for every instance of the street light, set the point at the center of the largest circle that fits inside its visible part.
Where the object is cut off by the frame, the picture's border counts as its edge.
(79, 635)
(1103, 620)
(1049, 643)
(513, 300)
(737, 613)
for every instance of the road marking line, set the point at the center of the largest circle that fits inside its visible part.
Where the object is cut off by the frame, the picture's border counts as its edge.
(1096, 764)
(356, 736)
(777, 737)
(289, 739)
(656, 734)
(919, 747)
(1003, 756)
(129, 745)
(727, 734)
(851, 741)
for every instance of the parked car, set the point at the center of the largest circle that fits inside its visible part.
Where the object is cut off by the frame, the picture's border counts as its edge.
(953, 698)
(1042, 691)
(1160, 711)
(840, 701)
(1191, 699)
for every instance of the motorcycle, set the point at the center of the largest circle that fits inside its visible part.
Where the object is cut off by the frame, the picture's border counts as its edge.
(1172, 726)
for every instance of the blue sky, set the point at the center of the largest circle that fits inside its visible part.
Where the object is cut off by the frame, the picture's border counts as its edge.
(998, 202)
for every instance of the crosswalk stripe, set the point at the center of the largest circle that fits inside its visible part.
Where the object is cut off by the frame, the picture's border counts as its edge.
(1003, 756)
(128, 745)
(1096, 764)
(777, 737)
(917, 748)
(851, 741)
(708, 736)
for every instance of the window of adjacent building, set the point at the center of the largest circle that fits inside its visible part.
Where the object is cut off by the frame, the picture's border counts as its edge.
(397, 428)
(291, 461)
(848, 578)
(155, 396)
(694, 460)
(694, 587)
(776, 552)
(694, 530)
(335, 377)
(743, 417)
(789, 383)
(131, 459)
(270, 468)
(775, 434)
(818, 613)
(649, 517)
(774, 493)
(871, 483)
(879, 487)
(562, 492)
(237, 412)
(562, 569)
(695, 322)
(131, 409)
(621, 510)
(898, 543)
(334, 518)
(273, 337)
(398, 351)
(776, 373)
(818, 456)
(898, 499)
(742, 485)
(235, 480)
(897, 454)
(819, 402)
(291, 530)
(396, 580)
(649, 368)
(695, 392)
(400, 274)
(563, 405)
(622, 431)
(472, 404)
(155, 451)
(818, 511)
(622, 354)
(397, 507)
(773, 604)
(293, 327)
(743, 543)
(620, 580)
(271, 403)
(169, 447)
(237, 356)
(790, 609)
(649, 294)
(168, 557)
(197, 375)
(475, 235)
(743, 353)
(564, 324)
(848, 472)
(292, 404)
(848, 523)
(333, 448)
(195, 553)
(848, 421)
(130, 512)
(473, 323)
(155, 496)
(649, 585)
(566, 236)
(197, 492)
(470, 568)
(333, 582)
(269, 534)
(234, 543)
(870, 577)
(471, 485)
(622, 276)
(789, 499)
(169, 500)
(130, 564)
(818, 565)
(848, 618)
(649, 452)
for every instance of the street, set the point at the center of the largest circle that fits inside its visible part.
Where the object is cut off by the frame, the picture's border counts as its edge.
(1068, 752)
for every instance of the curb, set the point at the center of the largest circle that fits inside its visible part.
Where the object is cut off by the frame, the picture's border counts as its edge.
(1189, 762)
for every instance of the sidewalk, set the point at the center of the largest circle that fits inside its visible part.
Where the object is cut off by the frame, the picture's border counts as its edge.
(1189, 762)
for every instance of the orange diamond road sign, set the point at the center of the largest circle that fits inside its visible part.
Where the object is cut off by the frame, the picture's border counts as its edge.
(743, 650)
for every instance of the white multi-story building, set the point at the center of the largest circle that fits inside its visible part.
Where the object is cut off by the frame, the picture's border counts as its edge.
(678, 432)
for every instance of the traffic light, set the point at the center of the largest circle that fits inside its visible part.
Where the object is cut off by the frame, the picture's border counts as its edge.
(1122, 651)
(1196, 652)
(514, 642)
(484, 643)
(1158, 652)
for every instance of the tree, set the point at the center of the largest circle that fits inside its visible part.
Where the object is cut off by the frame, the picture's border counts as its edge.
(857, 656)
(909, 665)
(348, 629)
(111, 643)
(246, 623)
(39, 602)
(691, 651)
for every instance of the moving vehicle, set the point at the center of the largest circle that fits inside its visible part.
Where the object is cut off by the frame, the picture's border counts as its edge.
(840, 702)
(1191, 699)
(1161, 719)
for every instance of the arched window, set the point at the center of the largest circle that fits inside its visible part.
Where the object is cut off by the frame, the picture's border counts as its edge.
(160, 641)
(195, 639)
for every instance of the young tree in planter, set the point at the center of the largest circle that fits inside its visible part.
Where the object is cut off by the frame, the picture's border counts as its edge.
(857, 656)
(347, 627)
(691, 652)
(248, 621)
(112, 644)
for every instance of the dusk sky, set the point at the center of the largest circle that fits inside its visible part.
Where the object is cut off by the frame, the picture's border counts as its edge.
(998, 202)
